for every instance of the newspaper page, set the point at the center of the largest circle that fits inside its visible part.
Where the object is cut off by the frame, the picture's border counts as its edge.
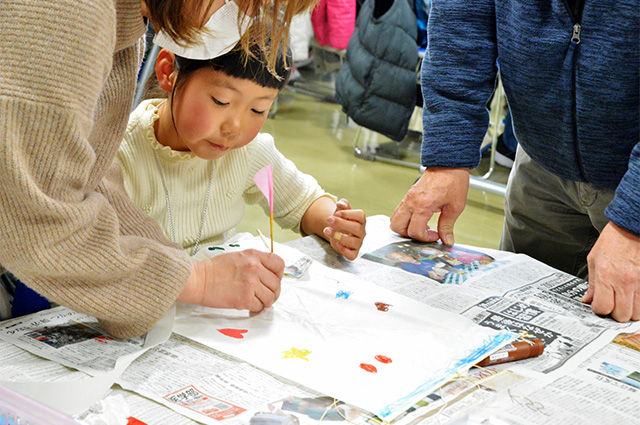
(514, 292)
(211, 387)
(122, 407)
(21, 366)
(69, 338)
(415, 286)
(75, 340)
(535, 301)
(602, 390)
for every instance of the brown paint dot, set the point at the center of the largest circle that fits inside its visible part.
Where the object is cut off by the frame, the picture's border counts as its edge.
(382, 306)
(369, 367)
(383, 359)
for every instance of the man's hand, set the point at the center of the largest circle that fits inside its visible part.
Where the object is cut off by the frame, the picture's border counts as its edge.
(614, 274)
(442, 190)
(245, 280)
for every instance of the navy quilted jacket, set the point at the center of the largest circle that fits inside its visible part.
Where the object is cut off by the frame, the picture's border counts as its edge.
(572, 87)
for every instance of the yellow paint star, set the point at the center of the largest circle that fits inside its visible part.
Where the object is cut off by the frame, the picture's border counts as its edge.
(296, 353)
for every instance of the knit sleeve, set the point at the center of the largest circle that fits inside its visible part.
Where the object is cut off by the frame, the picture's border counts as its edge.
(457, 77)
(66, 227)
(624, 210)
(294, 191)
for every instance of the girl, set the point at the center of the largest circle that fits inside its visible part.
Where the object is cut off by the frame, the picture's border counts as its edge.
(68, 228)
(189, 161)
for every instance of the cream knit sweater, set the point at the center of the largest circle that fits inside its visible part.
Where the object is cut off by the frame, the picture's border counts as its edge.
(187, 177)
(67, 227)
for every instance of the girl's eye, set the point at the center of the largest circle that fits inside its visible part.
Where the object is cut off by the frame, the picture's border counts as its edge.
(255, 111)
(217, 102)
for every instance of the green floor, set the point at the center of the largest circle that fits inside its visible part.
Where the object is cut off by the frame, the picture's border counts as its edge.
(318, 138)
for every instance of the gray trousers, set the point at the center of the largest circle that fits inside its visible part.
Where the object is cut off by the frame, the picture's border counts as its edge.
(553, 220)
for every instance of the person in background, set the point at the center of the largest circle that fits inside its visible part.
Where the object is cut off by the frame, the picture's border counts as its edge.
(189, 160)
(69, 231)
(570, 74)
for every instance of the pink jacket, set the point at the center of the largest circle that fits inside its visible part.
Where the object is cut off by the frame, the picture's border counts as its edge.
(333, 22)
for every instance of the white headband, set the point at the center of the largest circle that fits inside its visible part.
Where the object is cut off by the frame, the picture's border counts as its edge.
(221, 33)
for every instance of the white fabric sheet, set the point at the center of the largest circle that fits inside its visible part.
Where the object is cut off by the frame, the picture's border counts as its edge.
(327, 332)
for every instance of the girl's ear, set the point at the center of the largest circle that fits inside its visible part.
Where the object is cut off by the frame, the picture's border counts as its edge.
(166, 70)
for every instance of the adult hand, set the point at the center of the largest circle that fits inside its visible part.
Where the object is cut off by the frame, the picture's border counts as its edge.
(614, 274)
(346, 230)
(442, 190)
(242, 280)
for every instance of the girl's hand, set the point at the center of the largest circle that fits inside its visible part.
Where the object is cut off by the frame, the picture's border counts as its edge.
(346, 229)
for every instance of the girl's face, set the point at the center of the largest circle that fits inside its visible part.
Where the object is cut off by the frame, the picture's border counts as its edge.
(215, 113)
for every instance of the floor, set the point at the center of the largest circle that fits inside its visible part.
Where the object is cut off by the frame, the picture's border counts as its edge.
(312, 131)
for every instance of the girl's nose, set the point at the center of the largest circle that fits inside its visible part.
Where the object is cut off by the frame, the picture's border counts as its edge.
(231, 127)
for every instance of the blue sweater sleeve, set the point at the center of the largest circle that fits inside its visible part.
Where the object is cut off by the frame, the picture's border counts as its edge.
(458, 76)
(624, 210)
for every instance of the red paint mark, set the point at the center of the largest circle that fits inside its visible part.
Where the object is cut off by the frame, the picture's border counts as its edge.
(233, 333)
(369, 367)
(383, 359)
(382, 306)
(133, 421)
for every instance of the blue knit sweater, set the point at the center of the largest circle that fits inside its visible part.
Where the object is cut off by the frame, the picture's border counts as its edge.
(573, 89)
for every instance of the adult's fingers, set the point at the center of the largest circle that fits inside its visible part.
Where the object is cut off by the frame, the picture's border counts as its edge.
(624, 292)
(603, 297)
(623, 307)
(636, 305)
(266, 296)
(407, 221)
(400, 219)
(447, 219)
(272, 262)
(419, 228)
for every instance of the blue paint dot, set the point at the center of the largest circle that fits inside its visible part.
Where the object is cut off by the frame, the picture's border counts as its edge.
(343, 294)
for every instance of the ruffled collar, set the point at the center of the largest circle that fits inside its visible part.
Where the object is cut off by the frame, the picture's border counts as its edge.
(164, 152)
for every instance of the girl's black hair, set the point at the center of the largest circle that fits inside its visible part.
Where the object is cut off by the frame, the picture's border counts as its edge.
(239, 64)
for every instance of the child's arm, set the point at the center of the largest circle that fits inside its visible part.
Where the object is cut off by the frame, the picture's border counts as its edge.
(343, 227)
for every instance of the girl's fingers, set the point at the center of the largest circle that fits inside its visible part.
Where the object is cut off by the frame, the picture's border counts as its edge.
(346, 226)
(343, 204)
(353, 215)
(347, 252)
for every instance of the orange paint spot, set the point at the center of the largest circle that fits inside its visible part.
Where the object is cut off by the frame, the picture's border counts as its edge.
(382, 306)
(383, 359)
(369, 367)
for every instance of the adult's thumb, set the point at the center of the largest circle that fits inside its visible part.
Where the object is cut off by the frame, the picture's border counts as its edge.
(445, 227)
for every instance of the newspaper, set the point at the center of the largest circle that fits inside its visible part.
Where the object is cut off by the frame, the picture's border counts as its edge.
(20, 365)
(581, 377)
(535, 301)
(69, 338)
(602, 390)
(515, 292)
(211, 387)
(75, 340)
(122, 407)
